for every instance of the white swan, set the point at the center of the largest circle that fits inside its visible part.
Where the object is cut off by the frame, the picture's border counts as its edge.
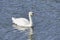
(23, 22)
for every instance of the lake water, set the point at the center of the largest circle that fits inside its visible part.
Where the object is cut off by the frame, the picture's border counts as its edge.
(46, 19)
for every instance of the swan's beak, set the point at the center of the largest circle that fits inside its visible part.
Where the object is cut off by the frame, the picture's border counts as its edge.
(32, 14)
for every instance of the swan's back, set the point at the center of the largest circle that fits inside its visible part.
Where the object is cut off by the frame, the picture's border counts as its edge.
(20, 21)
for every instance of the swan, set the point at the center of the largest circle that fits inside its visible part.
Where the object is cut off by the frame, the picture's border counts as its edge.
(23, 22)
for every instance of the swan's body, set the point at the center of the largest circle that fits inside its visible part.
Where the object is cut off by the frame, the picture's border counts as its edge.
(23, 21)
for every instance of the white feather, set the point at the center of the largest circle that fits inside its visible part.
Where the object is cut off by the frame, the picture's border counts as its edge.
(23, 22)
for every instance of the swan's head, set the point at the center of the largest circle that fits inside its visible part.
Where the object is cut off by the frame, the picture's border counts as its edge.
(30, 13)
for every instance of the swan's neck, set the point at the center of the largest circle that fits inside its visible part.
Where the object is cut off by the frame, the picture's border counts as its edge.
(30, 20)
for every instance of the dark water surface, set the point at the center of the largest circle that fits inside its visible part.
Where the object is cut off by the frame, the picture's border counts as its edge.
(46, 19)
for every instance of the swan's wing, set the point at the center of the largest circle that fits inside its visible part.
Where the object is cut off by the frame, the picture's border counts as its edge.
(21, 21)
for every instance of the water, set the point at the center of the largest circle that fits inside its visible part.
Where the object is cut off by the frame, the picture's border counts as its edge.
(46, 19)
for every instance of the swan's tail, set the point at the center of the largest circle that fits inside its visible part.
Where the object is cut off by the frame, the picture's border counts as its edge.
(13, 19)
